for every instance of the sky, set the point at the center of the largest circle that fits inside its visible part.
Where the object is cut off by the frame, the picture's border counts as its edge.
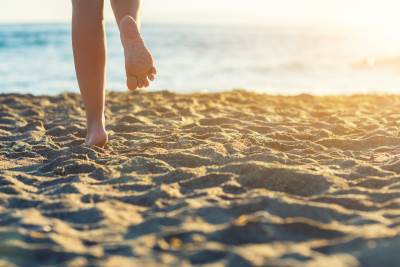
(380, 13)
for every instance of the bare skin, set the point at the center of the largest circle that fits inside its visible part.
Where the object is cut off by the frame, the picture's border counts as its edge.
(88, 40)
(89, 49)
(139, 65)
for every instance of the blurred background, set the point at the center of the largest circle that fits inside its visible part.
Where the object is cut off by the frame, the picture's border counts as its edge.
(279, 47)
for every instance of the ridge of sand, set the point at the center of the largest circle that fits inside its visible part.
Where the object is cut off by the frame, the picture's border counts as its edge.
(234, 179)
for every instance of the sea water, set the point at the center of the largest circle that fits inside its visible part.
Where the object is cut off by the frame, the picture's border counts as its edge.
(37, 59)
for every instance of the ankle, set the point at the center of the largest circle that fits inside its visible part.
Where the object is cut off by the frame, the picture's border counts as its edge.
(95, 125)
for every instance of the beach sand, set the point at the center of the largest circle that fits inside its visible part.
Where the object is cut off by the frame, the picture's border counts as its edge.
(230, 179)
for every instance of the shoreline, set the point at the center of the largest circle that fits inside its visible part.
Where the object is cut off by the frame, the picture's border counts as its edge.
(259, 92)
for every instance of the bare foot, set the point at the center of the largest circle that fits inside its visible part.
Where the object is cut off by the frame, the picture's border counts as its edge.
(139, 63)
(96, 136)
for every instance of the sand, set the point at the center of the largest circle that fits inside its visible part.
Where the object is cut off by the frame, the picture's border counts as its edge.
(224, 179)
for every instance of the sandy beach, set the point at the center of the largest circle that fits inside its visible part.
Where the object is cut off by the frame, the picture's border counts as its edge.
(222, 179)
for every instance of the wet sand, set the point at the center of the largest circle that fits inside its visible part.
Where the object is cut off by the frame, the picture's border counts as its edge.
(225, 179)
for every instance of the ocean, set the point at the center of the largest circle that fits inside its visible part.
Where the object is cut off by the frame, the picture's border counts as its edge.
(37, 59)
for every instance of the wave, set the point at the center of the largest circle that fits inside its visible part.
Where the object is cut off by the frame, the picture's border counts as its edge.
(27, 38)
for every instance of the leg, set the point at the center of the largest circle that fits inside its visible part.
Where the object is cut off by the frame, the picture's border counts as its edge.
(139, 63)
(89, 49)
(124, 8)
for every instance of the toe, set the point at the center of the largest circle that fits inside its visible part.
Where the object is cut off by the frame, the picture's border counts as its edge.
(140, 83)
(146, 82)
(151, 77)
(132, 82)
(143, 82)
(153, 70)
